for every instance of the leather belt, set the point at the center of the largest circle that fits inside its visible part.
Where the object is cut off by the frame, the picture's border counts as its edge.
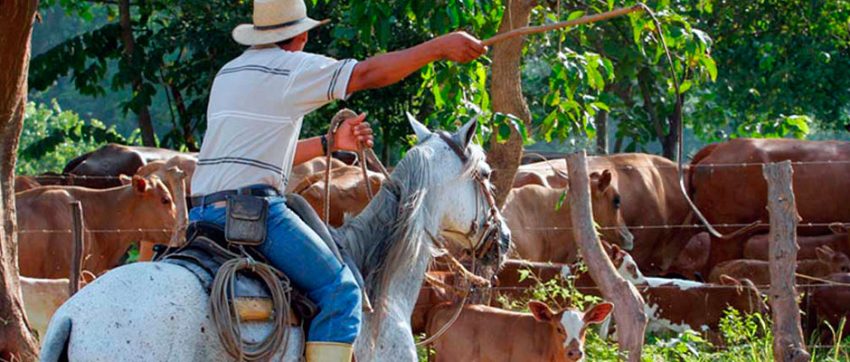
(255, 190)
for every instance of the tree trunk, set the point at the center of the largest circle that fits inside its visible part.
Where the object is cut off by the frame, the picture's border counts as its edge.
(507, 98)
(16, 18)
(788, 336)
(629, 306)
(602, 132)
(143, 113)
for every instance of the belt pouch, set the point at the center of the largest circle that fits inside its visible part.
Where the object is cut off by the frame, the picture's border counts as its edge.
(246, 220)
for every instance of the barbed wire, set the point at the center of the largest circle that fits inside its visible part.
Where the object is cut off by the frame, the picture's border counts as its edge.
(93, 231)
(550, 164)
(532, 228)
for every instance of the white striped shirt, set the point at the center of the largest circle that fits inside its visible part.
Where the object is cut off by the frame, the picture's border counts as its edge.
(256, 107)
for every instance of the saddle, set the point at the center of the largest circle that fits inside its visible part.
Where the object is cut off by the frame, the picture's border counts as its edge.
(206, 249)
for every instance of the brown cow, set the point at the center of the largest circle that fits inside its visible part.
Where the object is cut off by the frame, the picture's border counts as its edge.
(42, 297)
(649, 193)
(732, 194)
(831, 305)
(517, 277)
(348, 193)
(110, 161)
(484, 333)
(185, 163)
(757, 246)
(758, 271)
(309, 169)
(541, 232)
(693, 257)
(545, 173)
(145, 205)
(23, 183)
(674, 305)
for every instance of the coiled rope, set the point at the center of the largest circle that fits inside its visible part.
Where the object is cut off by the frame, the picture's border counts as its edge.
(226, 317)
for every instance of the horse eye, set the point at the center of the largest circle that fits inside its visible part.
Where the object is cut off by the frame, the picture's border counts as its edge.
(166, 201)
(617, 201)
(485, 173)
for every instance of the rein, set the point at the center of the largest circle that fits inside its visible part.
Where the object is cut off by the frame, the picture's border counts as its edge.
(363, 154)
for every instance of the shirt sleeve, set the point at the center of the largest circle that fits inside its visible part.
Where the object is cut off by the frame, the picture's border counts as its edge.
(320, 80)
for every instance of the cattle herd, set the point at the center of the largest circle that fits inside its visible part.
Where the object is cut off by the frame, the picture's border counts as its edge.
(686, 277)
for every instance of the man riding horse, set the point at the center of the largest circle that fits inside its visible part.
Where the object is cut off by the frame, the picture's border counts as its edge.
(257, 104)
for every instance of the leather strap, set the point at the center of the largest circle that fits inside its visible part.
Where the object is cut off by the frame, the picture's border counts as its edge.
(259, 191)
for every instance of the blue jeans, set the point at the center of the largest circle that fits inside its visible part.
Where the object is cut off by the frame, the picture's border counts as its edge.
(303, 256)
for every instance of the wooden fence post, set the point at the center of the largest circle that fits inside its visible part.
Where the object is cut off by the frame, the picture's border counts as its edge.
(787, 335)
(628, 304)
(77, 248)
(175, 177)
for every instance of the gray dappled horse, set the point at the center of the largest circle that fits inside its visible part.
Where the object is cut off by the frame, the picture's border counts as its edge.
(159, 312)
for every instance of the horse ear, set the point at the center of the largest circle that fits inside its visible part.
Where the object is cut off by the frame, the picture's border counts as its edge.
(419, 129)
(541, 311)
(467, 131)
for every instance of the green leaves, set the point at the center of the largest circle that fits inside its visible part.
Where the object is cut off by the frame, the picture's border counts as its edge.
(51, 137)
(506, 124)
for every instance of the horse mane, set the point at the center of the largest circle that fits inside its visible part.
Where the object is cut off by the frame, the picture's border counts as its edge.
(410, 182)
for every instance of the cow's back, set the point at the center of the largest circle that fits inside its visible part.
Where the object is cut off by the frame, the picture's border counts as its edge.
(728, 193)
(44, 224)
(728, 185)
(539, 230)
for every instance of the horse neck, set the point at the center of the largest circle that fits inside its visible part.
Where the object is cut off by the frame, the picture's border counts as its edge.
(368, 235)
(371, 228)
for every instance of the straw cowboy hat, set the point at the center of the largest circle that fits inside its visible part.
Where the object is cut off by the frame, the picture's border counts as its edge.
(274, 21)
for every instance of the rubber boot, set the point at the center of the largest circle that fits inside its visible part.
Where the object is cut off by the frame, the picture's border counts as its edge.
(328, 352)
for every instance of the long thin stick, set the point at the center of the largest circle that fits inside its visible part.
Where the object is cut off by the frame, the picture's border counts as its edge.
(564, 24)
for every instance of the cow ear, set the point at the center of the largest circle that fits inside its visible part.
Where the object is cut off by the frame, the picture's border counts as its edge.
(541, 311)
(604, 181)
(125, 180)
(140, 184)
(727, 280)
(467, 131)
(598, 313)
(824, 253)
(422, 132)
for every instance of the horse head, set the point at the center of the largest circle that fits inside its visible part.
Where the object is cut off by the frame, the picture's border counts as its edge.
(462, 199)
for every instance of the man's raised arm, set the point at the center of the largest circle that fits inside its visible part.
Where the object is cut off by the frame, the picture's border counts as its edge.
(386, 69)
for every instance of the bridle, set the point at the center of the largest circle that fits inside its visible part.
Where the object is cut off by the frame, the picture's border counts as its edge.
(492, 223)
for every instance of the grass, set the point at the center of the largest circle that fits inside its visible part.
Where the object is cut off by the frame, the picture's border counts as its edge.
(746, 338)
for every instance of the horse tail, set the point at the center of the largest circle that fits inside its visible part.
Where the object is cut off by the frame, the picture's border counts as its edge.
(54, 347)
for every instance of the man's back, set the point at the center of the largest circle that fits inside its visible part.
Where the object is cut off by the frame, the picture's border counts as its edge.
(256, 107)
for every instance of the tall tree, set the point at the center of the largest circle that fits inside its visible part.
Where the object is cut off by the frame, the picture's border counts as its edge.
(506, 92)
(133, 56)
(16, 17)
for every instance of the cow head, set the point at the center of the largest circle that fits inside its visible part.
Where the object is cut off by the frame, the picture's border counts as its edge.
(626, 265)
(569, 327)
(607, 209)
(837, 261)
(152, 207)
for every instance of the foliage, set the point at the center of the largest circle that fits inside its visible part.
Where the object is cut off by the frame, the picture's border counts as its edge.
(776, 75)
(51, 137)
(776, 58)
